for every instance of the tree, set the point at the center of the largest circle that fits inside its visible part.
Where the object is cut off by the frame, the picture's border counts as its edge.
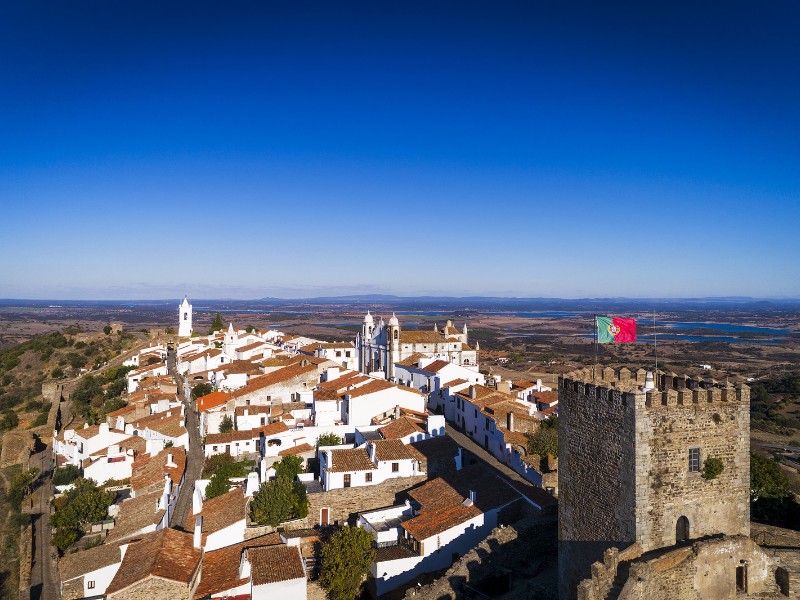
(66, 474)
(170, 331)
(85, 503)
(64, 538)
(328, 439)
(218, 485)
(226, 425)
(201, 389)
(771, 497)
(346, 559)
(217, 324)
(543, 441)
(107, 329)
(21, 485)
(282, 499)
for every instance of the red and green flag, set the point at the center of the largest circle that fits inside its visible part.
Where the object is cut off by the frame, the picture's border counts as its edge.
(615, 329)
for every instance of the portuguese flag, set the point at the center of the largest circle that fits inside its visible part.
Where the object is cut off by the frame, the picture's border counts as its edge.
(614, 329)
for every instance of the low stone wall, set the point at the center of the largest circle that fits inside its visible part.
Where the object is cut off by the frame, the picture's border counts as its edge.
(345, 504)
(604, 573)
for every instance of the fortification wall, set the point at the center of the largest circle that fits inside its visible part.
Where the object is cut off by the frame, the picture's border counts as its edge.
(596, 445)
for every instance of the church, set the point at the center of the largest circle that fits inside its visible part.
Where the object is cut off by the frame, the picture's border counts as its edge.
(379, 346)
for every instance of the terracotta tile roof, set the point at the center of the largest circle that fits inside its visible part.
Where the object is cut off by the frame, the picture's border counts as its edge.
(411, 361)
(522, 384)
(300, 449)
(400, 428)
(421, 337)
(454, 383)
(275, 377)
(79, 563)
(442, 508)
(351, 459)
(147, 472)
(484, 396)
(391, 450)
(221, 567)
(344, 381)
(271, 564)
(122, 411)
(88, 433)
(220, 512)
(135, 443)
(546, 397)
(212, 400)
(435, 366)
(146, 421)
(335, 345)
(167, 553)
(173, 426)
(379, 385)
(246, 434)
(240, 367)
(134, 515)
(252, 346)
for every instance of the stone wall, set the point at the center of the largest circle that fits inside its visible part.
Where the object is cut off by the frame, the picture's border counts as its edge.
(151, 588)
(624, 464)
(345, 504)
(604, 573)
(596, 504)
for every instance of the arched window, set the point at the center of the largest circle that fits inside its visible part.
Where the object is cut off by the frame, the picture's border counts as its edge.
(186, 316)
(396, 334)
(682, 530)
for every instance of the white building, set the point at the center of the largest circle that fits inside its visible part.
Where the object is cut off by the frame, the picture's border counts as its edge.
(380, 346)
(78, 444)
(373, 464)
(276, 571)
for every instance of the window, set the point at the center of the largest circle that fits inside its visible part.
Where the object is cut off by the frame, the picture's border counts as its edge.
(338, 354)
(90, 585)
(347, 480)
(215, 448)
(368, 477)
(476, 413)
(347, 354)
(694, 460)
(395, 467)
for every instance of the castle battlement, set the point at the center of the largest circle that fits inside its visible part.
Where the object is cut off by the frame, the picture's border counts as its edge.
(671, 389)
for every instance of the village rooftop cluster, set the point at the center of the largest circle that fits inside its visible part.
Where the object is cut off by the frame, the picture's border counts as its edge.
(388, 397)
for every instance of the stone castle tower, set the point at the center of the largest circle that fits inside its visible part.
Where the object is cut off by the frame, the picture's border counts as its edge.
(185, 318)
(631, 454)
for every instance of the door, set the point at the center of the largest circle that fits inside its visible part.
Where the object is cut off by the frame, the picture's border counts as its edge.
(682, 530)
(741, 578)
(324, 516)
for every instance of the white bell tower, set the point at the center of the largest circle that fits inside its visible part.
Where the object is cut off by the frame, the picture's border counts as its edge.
(185, 318)
(231, 341)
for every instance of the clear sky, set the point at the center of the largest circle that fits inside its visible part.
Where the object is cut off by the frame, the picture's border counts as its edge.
(251, 149)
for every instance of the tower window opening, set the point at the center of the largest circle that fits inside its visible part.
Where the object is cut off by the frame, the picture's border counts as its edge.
(694, 460)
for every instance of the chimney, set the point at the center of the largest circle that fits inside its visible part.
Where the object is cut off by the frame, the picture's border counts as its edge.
(197, 541)
(473, 495)
(246, 412)
(371, 451)
(182, 423)
(473, 393)
(170, 462)
(510, 421)
(396, 411)
(504, 386)
(458, 460)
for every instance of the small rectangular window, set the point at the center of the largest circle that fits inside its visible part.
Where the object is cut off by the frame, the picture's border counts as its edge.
(694, 460)
(395, 467)
(90, 585)
(368, 477)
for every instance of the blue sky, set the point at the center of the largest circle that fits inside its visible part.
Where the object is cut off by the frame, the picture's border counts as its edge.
(293, 149)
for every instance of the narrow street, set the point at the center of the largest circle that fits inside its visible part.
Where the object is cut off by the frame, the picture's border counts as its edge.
(44, 579)
(194, 458)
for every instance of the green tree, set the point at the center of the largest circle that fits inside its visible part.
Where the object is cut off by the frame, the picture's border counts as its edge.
(226, 425)
(107, 329)
(346, 559)
(201, 389)
(217, 324)
(57, 373)
(170, 331)
(21, 485)
(771, 498)
(543, 441)
(63, 538)
(218, 485)
(66, 474)
(282, 499)
(328, 439)
(85, 503)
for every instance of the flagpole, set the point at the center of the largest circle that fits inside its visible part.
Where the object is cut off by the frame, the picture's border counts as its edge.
(655, 343)
(596, 343)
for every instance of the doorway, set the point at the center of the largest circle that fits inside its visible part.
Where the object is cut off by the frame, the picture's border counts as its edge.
(741, 578)
(682, 530)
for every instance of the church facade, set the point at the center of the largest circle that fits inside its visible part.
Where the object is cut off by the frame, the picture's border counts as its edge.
(380, 345)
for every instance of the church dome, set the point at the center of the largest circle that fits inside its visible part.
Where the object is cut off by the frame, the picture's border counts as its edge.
(393, 322)
(368, 319)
